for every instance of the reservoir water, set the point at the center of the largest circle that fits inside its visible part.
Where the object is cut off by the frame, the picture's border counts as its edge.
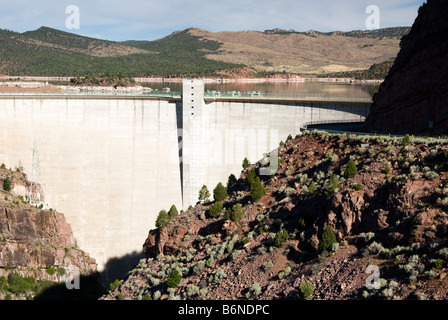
(292, 89)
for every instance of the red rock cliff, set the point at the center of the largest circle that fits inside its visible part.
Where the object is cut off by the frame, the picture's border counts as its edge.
(414, 96)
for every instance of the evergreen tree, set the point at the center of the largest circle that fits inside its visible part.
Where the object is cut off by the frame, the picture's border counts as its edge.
(327, 239)
(174, 279)
(220, 192)
(251, 175)
(162, 219)
(257, 190)
(246, 163)
(231, 182)
(333, 186)
(350, 170)
(237, 212)
(173, 212)
(7, 184)
(406, 140)
(215, 209)
(204, 194)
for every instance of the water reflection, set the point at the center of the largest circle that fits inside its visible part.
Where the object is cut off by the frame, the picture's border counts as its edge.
(329, 90)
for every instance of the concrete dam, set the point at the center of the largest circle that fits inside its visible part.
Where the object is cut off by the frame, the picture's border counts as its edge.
(111, 163)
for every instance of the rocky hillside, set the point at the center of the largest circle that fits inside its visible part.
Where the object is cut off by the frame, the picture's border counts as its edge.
(195, 52)
(37, 247)
(309, 52)
(413, 98)
(338, 208)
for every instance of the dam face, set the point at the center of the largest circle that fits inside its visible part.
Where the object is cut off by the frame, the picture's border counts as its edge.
(110, 164)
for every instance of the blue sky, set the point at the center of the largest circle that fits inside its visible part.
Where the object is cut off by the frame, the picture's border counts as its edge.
(150, 20)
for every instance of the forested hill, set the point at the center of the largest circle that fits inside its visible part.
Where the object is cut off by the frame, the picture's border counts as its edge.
(50, 52)
(196, 52)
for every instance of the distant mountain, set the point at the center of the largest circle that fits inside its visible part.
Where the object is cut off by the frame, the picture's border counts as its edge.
(310, 52)
(196, 52)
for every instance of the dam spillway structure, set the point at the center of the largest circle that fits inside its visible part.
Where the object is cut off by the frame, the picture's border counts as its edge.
(110, 163)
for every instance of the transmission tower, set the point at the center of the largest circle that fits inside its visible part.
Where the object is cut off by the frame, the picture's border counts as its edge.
(36, 193)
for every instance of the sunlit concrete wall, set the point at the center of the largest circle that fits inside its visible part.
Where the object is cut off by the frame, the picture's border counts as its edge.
(110, 164)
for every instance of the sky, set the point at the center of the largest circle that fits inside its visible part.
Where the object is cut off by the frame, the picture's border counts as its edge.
(120, 20)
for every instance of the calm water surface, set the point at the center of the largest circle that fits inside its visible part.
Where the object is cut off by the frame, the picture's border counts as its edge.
(329, 90)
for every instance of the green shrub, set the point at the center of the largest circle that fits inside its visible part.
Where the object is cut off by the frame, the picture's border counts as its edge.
(406, 140)
(251, 175)
(281, 237)
(173, 212)
(237, 212)
(204, 194)
(254, 291)
(312, 187)
(7, 184)
(215, 209)
(114, 285)
(174, 279)
(327, 239)
(438, 264)
(246, 163)
(3, 166)
(257, 191)
(231, 182)
(147, 296)
(220, 192)
(358, 186)
(350, 170)
(333, 186)
(387, 169)
(162, 219)
(306, 290)
(19, 284)
(51, 271)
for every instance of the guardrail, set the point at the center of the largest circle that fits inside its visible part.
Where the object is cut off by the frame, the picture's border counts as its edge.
(310, 123)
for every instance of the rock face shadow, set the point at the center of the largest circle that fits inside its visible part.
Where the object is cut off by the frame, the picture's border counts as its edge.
(94, 286)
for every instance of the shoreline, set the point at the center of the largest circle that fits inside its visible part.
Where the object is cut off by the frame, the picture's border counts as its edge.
(274, 79)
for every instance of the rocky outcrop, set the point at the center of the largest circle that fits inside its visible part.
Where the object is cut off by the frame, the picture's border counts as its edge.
(395, 219)
(414, 96)
(35, 242)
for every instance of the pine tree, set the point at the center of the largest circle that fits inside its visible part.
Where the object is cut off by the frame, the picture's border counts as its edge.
(7, 184)
(333, 186)
(231, 182)
(406, 140)
(257, 190)
(162, 219)
(327, 239)
(251, 175)
(350, 169)
(204, 194)
(219, 193)
(173, 212)
(246, 163)
(237, 212)
(215, 209)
